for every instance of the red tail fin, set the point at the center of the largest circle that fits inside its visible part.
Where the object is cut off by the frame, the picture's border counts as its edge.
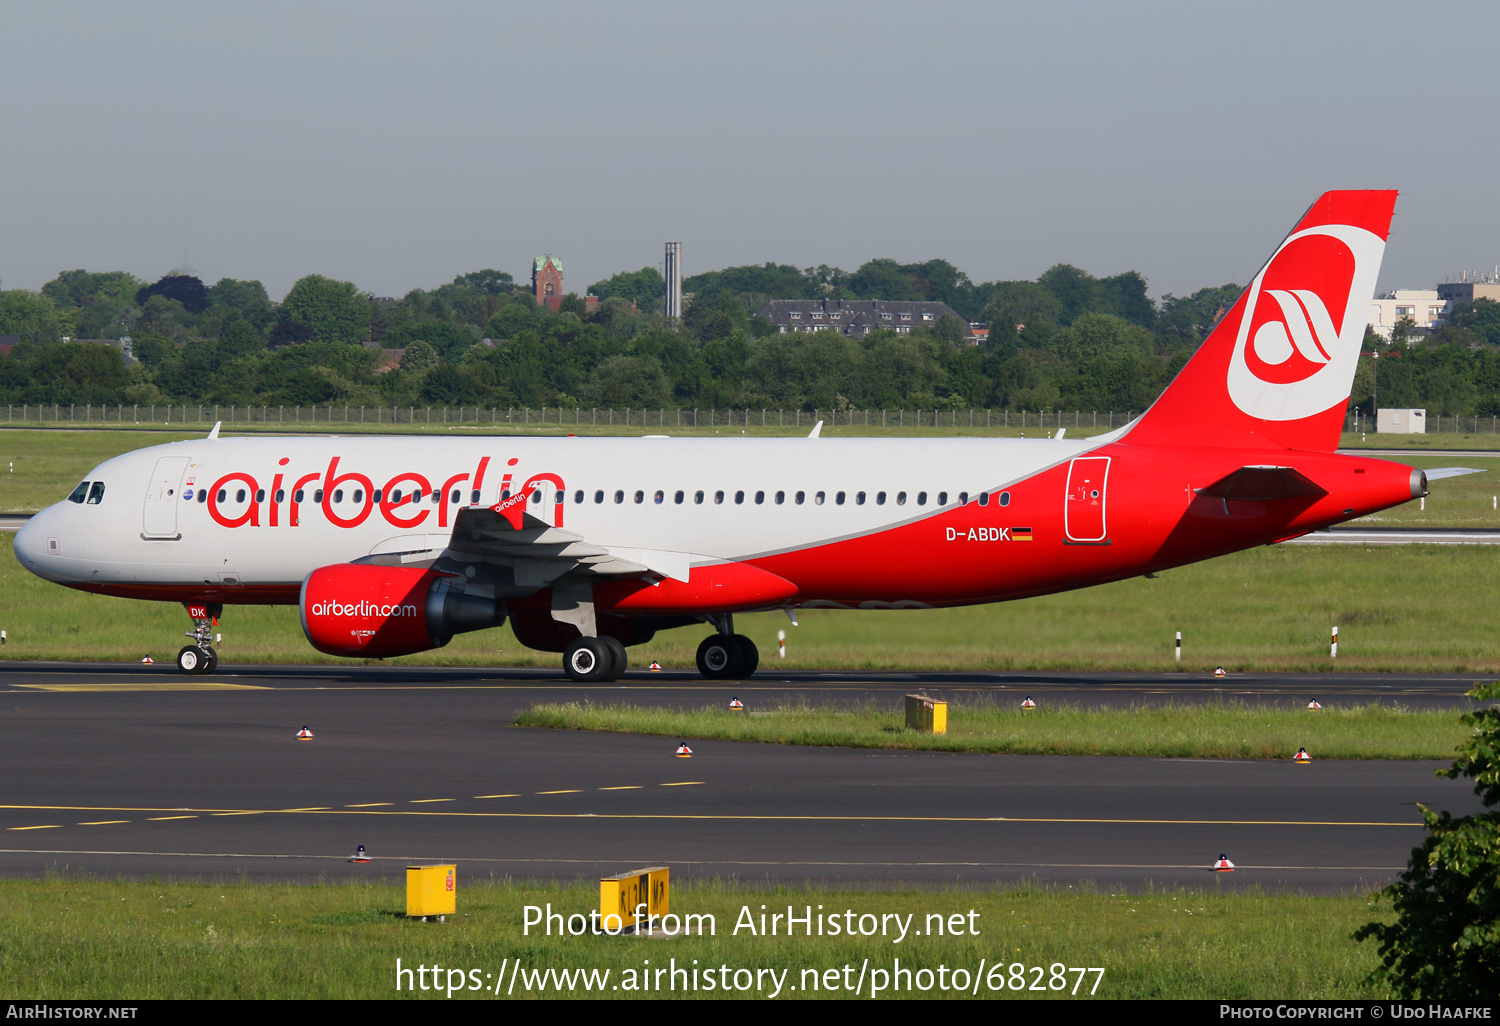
(1278, 369)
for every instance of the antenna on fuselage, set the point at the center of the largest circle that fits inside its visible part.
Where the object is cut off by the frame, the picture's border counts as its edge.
(215, 432)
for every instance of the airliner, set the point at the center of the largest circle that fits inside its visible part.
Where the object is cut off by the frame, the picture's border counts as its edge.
(392, 545)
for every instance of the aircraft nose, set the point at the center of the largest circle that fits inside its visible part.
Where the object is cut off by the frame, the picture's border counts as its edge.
(31, 542)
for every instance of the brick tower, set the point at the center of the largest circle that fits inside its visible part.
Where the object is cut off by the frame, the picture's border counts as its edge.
(547, 280)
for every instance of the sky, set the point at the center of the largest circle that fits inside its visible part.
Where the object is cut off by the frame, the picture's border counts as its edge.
(397, 145)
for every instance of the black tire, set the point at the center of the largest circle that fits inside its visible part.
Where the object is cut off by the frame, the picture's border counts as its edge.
(191, 659)
(749, 657)
(720, 657)
(586, 660)
(213, 660)
(618, 660)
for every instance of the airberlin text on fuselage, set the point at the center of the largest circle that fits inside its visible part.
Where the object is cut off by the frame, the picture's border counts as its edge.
(405, 513)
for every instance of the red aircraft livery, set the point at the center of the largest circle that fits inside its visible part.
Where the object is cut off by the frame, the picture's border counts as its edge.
(586, 546)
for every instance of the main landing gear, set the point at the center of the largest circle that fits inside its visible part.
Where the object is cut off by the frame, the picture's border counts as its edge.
(594, 659)
(727, 657)
(200, 657)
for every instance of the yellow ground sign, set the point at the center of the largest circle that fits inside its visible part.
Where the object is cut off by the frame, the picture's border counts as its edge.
(629, 899)
(926, 714)
(431, 890)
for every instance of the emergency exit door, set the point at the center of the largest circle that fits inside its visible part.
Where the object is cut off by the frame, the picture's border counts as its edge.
(1083, 510)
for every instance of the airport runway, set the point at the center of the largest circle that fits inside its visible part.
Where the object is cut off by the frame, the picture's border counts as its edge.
(126, 769)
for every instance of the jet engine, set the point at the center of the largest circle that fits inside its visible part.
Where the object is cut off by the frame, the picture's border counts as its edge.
(358, 609)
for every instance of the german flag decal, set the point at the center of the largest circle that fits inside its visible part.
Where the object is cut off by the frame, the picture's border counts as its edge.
(1020, 534)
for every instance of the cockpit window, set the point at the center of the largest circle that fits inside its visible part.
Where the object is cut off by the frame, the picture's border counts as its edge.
(79, 492)
(96, 493)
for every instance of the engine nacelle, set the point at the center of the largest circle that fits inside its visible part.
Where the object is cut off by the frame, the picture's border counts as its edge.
(358, 609)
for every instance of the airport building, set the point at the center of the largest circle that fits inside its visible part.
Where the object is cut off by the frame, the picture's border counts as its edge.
(856, 317)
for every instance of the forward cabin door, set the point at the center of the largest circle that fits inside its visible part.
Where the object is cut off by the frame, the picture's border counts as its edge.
(1083, 510)
(159, 518)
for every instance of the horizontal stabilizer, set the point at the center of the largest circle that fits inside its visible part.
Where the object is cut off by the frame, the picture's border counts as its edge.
(1262, 484)
(1439, 473)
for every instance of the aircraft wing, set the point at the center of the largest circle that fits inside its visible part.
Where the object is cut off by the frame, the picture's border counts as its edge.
(541, 553)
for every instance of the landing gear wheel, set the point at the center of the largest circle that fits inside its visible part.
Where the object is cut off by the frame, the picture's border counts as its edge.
(587, 659)
(720, 657)
(618, 660)
(213, 660)
(192, 659)
(749, 656)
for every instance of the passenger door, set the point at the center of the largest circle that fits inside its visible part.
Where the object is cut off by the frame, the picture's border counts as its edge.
(159, 517)
(1083, 510)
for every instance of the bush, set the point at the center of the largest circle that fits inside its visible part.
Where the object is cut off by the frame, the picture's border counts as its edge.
(1445, 942)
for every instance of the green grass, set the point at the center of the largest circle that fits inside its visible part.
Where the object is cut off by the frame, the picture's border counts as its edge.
(1434, 440)
(1230, 730)
(81, 939)
(1425, 608)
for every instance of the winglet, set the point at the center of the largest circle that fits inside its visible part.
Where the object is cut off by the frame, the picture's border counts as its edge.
(513, 509)
(816, 431)
(215, 432)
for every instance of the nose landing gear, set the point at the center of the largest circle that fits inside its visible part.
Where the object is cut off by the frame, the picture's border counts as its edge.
(200, 657)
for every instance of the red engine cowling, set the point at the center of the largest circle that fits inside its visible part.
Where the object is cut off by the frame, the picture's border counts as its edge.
(356, 609)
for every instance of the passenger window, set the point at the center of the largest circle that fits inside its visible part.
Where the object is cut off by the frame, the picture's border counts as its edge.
(599, 496)
(578, 497)
(416, 497)
(359, 495)
(780, 498)
(818, 498)
(839, 498)
(739, 498)
(239, 496)
(760, 497)
(559, 497)
(619, 496)
(79, 493)
(395, 496)
(859, 498)
(96, 493)
(921, 498)
(984, 498)
(280, 495)
(659, 496)
(202, 495)
(801, 498)
(963, 498)
(297, 495)
(376, 496)
(1005, 498)
(942, 498)
(504, 494)
(338, 495)
(718, 498)
(474, 497)
(455, 495)
(678, 498)
(437, 496)
(317, 496)
(901, 498)
(880, 498)
(698, 498)
(640, 496)
(536, 496)
(222, 495)
(260, 495)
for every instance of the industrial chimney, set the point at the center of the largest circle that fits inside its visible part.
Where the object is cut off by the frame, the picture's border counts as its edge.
(673, 274)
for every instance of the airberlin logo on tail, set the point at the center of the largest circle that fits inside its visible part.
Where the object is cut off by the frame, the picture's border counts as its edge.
(1301, 323)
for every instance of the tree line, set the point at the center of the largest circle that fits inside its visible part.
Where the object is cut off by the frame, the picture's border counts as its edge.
(1068, 340)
